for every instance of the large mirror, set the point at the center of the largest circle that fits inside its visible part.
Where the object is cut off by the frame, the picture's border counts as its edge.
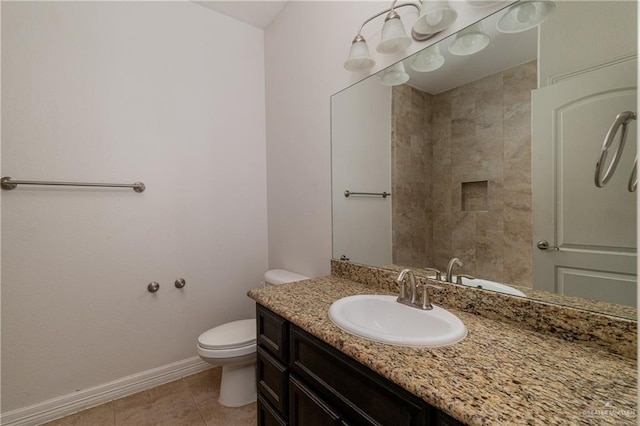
(490, 158)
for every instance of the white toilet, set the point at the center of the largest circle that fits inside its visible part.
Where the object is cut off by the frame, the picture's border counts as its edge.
(233, 346)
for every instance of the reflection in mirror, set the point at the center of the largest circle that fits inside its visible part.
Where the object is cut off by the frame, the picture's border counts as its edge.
(490, 158)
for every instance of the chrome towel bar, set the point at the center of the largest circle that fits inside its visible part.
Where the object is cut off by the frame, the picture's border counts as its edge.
(348, 193)
(8, 183)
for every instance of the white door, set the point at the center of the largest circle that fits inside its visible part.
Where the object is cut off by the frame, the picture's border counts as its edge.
(593, 228)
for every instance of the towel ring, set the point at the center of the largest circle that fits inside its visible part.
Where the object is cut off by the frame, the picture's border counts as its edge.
(633, 179)
(622, 119)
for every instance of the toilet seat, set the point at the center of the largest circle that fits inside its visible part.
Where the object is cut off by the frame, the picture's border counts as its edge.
(234, 339)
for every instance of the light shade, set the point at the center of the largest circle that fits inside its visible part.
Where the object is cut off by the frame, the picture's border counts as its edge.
(525, 15)
(427, 60)
(394, 38)
(359, 56)
(435, 16)
(469, 41)
(395, 75)
(483, 3)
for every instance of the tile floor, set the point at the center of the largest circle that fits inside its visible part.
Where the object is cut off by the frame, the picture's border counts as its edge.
(191, 401)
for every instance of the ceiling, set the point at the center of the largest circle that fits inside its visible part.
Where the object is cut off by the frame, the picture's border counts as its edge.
(256, 13)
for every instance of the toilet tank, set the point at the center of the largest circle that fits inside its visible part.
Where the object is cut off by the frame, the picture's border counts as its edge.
(281, 276)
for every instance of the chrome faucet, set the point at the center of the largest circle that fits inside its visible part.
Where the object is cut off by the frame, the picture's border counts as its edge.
(453, 262)
(412, 284)
(425, 303)
(434, 271)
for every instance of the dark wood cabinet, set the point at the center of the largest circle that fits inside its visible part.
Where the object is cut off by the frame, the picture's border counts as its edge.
(302, 381)
(267, 415)
(273, 381)
(272, 333)
(309, 409)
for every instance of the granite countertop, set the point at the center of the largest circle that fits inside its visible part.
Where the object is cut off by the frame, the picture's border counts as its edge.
(500, 374)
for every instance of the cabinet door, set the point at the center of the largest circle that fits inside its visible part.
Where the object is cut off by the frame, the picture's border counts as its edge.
(267, 415)
(361, 395)
(273, 381)
(273, 333)
(307, 409)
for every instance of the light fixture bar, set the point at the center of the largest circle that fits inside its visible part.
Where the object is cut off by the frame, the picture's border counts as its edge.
(433, 16)
(393, 7)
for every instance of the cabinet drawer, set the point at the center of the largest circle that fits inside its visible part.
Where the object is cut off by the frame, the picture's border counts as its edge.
(307, 409)
(273, 381)
(272, 333)
(267, 416)
(361, 395)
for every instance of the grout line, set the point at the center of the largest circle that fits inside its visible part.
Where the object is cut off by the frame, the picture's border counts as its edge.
(204, 421)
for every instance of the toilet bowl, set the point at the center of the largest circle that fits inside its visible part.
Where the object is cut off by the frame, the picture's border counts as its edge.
(233, 346)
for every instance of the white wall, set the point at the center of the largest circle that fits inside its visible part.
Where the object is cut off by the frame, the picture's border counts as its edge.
(171, 94)
(592, 32)
(305, 48)
(361, 123)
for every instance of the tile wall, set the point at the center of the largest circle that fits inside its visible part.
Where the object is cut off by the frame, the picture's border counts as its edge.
(462, 176)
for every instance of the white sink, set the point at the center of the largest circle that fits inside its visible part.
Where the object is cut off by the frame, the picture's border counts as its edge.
(382, 319)
(491, 285)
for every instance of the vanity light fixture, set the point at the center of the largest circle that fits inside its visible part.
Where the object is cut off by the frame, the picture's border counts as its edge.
(434, 16)
(483, 3)
(395, 75)
(469, 41)
(525, 15)
(394, 38)
(359, 57)
(429, 59)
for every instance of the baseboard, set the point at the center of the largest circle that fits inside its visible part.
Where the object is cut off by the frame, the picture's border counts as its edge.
(77, 401)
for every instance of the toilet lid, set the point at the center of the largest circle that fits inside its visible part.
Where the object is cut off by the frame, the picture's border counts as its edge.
(282, 276)
(230, 335)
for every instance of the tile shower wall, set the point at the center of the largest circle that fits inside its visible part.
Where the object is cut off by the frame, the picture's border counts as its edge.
(411, 176)
(472, 196)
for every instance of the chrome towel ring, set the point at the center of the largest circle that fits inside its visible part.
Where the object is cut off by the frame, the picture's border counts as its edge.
(633, 179)
(623, 119)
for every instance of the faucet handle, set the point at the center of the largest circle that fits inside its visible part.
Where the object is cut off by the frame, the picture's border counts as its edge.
(435, 271)
(426, 298)
(459, 278)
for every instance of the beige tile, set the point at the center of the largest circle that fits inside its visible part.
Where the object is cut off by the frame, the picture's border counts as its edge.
(519, 81)
(205, 385)
(462, 130)
(192, 401)
(489, 255)
(489, 221)
(489, 140)
(518, 267)
(169, 404)
(102, 415)
(490, 111)
(463, 240)
(463, 107)
(517, 136)
(217, 415)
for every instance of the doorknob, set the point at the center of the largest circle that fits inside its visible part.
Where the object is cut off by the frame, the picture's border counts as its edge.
(544, 245)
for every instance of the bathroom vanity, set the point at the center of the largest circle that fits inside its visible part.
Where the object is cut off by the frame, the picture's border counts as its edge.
(304, 381)
(311, 372)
